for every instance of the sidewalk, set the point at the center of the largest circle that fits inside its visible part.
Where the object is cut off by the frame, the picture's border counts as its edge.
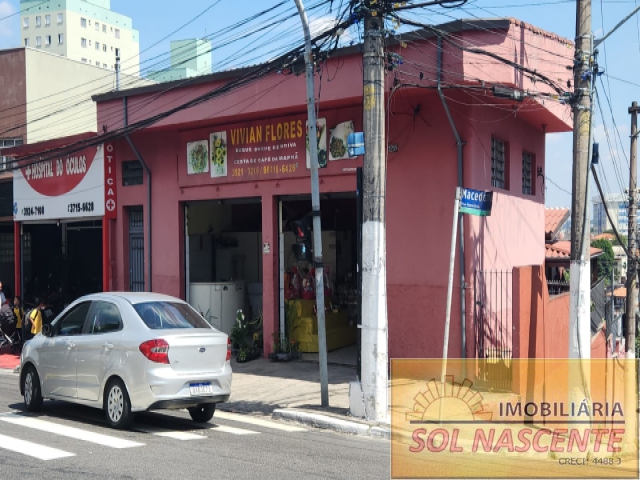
(291, 391)
(8, 360)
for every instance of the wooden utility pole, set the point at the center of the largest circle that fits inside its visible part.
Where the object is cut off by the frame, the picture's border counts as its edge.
(374, 347)
(579, 319)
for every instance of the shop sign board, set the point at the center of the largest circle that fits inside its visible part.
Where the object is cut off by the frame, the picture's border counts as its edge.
(260, 150)
(69, 187)
(110, 182)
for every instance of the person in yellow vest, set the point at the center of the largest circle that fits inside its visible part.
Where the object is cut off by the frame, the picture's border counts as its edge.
(18, 311)
(35, 318)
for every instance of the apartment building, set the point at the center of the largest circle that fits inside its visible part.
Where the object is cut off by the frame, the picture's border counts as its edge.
(189, 58)
(618, 205)
(83, 30)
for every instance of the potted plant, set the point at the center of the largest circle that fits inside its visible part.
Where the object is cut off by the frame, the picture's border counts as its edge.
(295, 349)
(239, 333)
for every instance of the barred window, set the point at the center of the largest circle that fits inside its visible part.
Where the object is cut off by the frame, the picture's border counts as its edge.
(132, 173)
(6, 248)
(527, 172)
(498, 164)
(5, 143)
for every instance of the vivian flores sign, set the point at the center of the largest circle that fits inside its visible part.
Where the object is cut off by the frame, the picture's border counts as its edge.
(68, 187)
(261, 150)
(460, 428)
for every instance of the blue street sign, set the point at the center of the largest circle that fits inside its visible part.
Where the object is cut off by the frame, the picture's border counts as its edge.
(476, 202)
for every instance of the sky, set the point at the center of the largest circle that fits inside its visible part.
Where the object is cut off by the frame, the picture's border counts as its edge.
(619, 56)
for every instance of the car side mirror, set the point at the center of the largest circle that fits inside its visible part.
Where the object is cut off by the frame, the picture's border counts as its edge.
(47, 331)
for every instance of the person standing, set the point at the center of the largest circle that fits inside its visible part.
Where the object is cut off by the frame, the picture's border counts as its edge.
(35, 318)
(18, 312)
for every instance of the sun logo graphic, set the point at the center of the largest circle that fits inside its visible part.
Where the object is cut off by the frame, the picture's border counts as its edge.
(448, 401)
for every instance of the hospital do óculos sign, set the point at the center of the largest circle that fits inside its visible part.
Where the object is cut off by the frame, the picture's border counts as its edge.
(69, 187)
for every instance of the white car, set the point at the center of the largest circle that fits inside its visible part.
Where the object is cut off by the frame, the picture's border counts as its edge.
(126, 353)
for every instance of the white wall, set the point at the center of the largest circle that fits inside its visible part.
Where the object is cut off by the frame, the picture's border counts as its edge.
(59, 95)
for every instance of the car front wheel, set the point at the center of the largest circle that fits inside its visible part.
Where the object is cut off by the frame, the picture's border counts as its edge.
(117, 405)
(203, 412)
(31, 389)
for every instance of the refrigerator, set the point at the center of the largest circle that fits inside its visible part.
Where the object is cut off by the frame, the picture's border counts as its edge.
(218, 302)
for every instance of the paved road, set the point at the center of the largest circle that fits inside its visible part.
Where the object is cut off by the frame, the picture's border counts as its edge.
(71, 442)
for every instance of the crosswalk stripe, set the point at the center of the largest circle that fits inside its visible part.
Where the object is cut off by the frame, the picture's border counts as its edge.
(258, 421)
(30, 449)
(71, 432)
(233, 430)
(177, 435)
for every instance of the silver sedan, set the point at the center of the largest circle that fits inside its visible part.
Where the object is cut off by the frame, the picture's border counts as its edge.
(126, 353)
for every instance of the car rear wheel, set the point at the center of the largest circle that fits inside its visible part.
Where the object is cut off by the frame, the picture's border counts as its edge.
(203, 412)
(117, 405)
(31, 389)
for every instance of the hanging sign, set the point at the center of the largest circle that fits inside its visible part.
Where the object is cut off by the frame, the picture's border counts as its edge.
(476, 202)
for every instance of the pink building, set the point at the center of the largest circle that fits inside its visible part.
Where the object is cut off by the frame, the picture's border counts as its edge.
(223, 215)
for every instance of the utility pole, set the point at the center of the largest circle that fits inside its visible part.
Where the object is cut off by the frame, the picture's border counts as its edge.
(632, 284)
(375, 357)
(630, 386)
(315, 205)
(579, 318)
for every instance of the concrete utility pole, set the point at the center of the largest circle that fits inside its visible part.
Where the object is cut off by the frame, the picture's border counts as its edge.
(315, 205)
(579, 319)
(632, 284)
(630, 386)
(375, 357)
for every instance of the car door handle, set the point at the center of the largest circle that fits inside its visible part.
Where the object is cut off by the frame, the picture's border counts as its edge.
(71, 346)
(108, 346)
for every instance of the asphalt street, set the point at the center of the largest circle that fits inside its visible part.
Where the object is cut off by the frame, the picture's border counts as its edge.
(67, 441)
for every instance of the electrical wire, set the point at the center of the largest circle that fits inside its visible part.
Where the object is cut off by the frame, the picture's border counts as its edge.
(71, 106)
(253, 74)
(446, 37)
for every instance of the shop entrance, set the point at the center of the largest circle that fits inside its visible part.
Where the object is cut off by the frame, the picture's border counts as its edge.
(62, 261)
(339, 216)
(223, 248)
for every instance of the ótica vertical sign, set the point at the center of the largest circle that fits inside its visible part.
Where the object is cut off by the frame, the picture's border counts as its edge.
(110, 182)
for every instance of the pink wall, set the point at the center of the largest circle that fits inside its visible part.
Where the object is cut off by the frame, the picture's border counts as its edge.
(421, 181)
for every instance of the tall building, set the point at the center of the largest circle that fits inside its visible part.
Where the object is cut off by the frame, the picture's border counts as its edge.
(83, 30)
(618, 209)
(189, 58)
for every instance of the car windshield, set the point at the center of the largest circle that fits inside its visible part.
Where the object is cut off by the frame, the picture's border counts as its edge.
(163, 315)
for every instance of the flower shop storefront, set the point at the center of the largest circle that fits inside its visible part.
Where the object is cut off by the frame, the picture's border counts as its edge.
(229, 200)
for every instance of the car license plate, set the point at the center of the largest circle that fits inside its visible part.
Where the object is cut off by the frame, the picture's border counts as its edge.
(201, 389)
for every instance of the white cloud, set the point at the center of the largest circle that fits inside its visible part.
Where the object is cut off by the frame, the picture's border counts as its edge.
(6, 9)
(322, 24)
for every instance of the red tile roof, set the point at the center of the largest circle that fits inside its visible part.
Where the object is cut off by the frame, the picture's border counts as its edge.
(562, 250)
(554, 218)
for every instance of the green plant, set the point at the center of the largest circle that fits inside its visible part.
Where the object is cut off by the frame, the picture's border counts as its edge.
(242, 355)
(239, 332)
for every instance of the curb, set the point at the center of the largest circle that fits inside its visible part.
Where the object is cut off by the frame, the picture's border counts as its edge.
(331, 423)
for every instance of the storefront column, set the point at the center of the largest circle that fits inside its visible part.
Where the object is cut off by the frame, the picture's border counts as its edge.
(270, 273)
(106, 255)
(17, 257)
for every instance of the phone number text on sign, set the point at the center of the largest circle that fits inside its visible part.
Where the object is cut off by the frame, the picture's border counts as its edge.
(33, 211)
(80, 207)
(264, 170)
